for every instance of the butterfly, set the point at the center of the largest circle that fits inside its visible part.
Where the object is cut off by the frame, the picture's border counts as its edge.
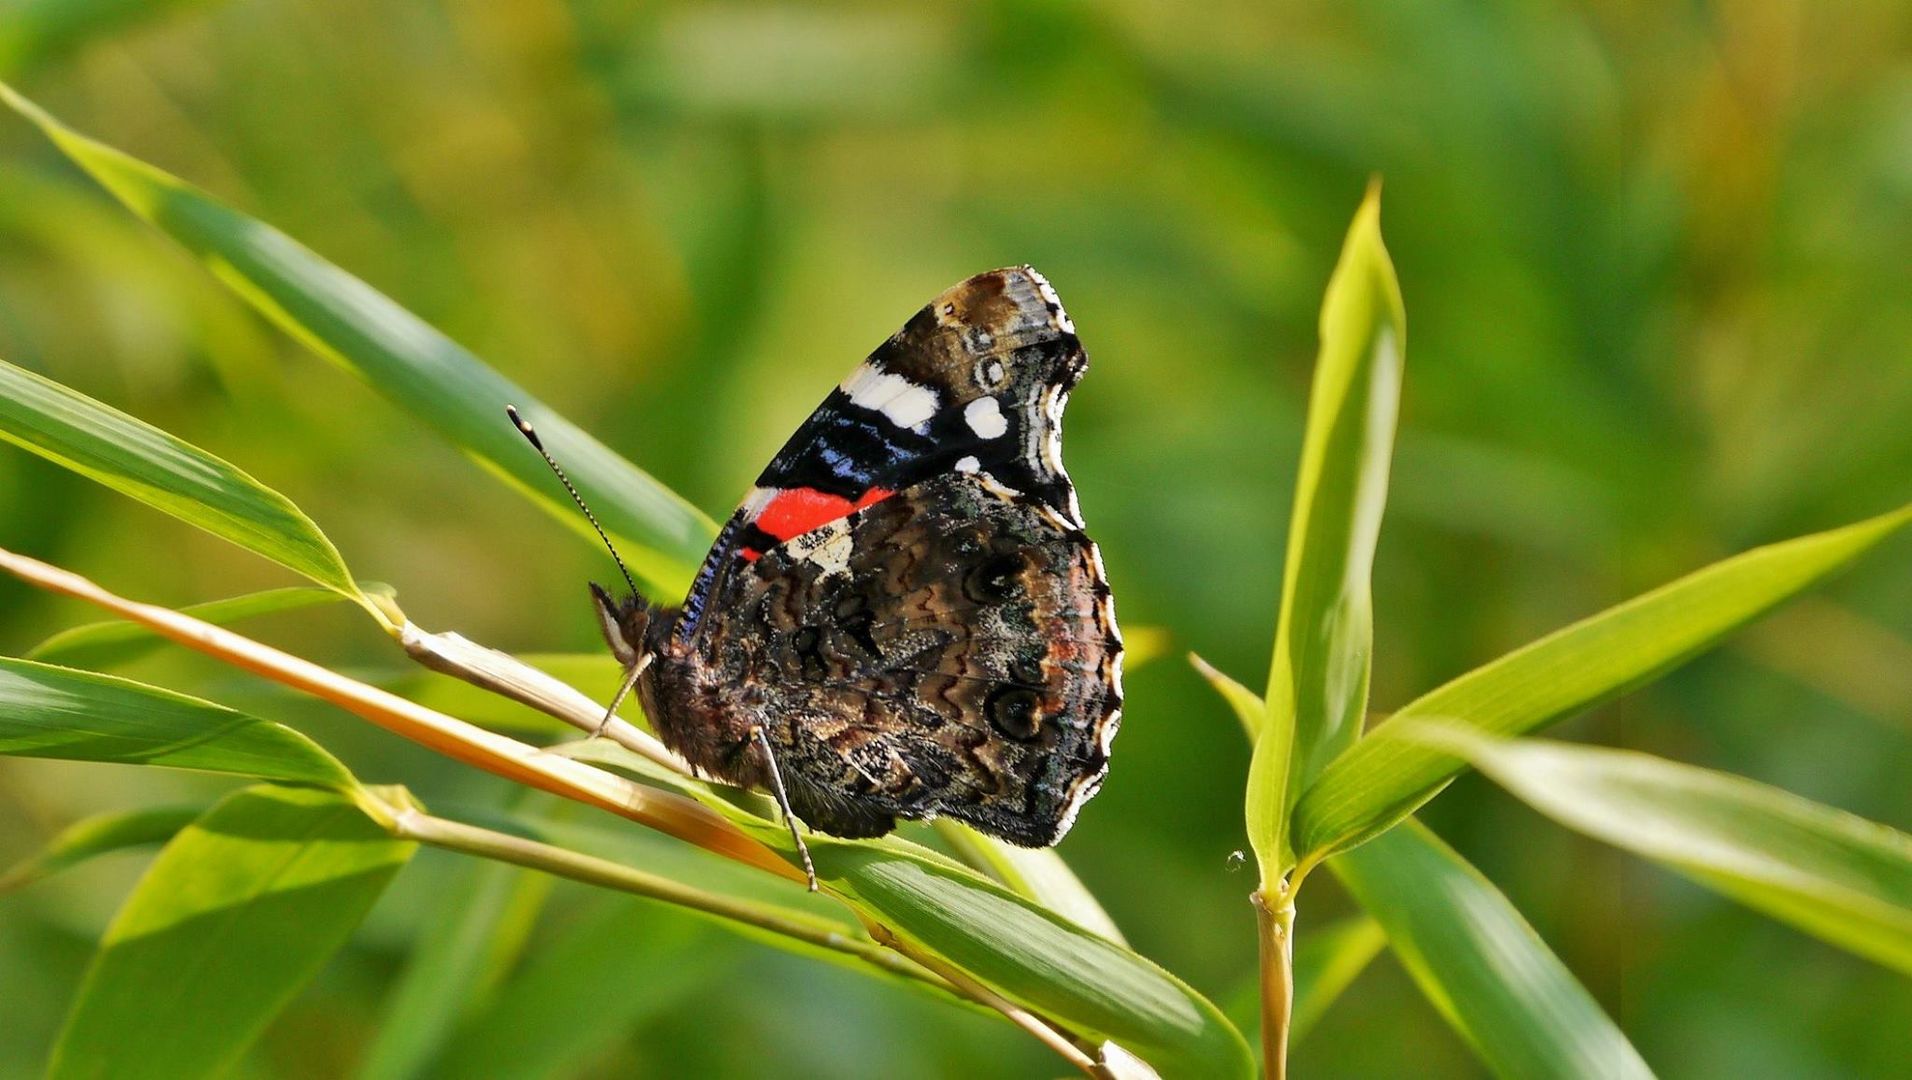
(904, 617)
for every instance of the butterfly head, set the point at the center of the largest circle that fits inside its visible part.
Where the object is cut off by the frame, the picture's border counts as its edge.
(627, 624)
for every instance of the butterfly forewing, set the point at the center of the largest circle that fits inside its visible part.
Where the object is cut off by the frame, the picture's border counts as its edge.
(976, 381)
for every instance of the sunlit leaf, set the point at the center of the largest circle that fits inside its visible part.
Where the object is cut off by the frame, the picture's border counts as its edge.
(236, 914)
(1835, 876)
(402, 357)
(1028, 953)
(55, 712)
(116, 642)
(1249, 707)
(1385, 776)
(1479, 962)
(1318, 684)
(137, 459)
(100, 834)
(1037, 873)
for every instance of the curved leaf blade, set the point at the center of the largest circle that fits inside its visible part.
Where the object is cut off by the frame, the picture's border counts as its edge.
(1318, 683)
(1834, 875)
(97, 835)
(1037, 873)
(55, 712)
(134, 458)
(233, 917)
(1037, 958)
(1480, 963)
(1384, 777)
(402, 357)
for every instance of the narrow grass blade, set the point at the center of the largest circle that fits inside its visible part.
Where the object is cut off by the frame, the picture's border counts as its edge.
(402, 357)
(1480, 964)
(55, 712)
(234, 916)
(1318, 684)
(116, 641)
(477, 926)
(586, 989)
(100, 834)
(1386, 775)
(134, 458)
(1838, 877)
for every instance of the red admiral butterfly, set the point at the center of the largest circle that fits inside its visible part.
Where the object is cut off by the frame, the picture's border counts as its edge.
(904, 618)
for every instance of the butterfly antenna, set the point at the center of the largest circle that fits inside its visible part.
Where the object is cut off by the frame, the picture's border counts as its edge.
(531, 436)
(783, 804)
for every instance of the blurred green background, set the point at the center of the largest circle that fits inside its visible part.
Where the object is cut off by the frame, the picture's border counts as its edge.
(1654, 258)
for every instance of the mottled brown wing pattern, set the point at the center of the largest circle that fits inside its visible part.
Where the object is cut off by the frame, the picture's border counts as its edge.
(948, 651)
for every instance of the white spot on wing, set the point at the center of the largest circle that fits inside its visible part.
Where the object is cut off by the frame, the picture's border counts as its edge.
(968, 464)
(985, 418)
(903, 402)
(828, 547)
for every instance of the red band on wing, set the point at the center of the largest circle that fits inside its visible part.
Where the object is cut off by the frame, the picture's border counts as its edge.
(796, 511)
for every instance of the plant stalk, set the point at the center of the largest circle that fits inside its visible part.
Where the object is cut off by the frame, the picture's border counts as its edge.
(413, 824)
(1275, 928)
(679, 816)
(507, 676)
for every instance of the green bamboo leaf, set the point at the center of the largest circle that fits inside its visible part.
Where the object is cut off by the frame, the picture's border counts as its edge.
(55, 712)
(1028, 953)
(1249, 707)
(134, 458)
(402, 357)
(1035, 957)
(1382, 778)
(1327, 961)
(1318, 684)
(631, 960)
(477, 928)
(1480, 964)
(1838, 877)
(116, 642)
(233, 917)
(100, 834)
(1037, 873)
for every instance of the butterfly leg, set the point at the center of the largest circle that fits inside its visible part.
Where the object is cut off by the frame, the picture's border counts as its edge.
(783, 804)
(624, 689)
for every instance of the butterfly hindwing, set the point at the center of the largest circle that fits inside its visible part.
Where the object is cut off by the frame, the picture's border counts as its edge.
(950, 650)
(975, 382)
